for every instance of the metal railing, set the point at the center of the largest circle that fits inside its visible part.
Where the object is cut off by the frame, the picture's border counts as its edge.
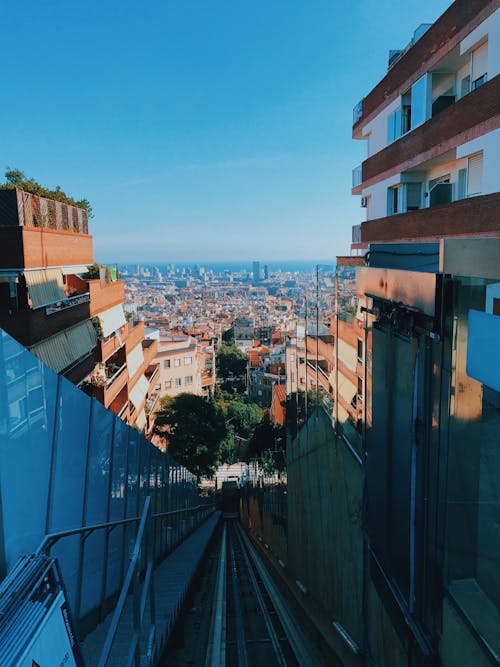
(151, 545)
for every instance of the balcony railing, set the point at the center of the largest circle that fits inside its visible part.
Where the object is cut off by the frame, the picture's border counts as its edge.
(356, 234)
(357, 178)
(357, 112)
(71, 302)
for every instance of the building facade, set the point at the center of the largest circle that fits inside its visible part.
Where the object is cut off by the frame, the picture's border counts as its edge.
(68, 312)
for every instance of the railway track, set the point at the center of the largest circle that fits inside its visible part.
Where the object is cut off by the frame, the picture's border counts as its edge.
(240, 617)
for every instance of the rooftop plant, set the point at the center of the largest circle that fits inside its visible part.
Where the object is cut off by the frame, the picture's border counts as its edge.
(16, 179)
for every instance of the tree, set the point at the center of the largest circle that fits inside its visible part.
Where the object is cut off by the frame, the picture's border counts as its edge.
(265, 437)
(241, 420)
(244, 417)
(231, 362)
(194, 429)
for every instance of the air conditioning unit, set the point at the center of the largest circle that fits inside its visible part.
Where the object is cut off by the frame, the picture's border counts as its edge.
(364, 202)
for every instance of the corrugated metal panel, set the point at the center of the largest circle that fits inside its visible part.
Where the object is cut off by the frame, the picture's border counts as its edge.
(135, 359)
(45, 286)
(111, 320)
(66, 347)
(138, 392)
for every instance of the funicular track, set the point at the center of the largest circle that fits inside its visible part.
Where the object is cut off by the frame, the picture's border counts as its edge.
(244, 621)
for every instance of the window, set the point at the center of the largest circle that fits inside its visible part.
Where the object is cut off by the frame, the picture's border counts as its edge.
(419, 102)
(177, 362)
(188, 361)
(302, 360)
(479, 66)
(477, 83)
(465, 86)
(474, 175)
(394, 200)
(360, 349)
(394, 124)
(188, 379)
(168, 384)
(178, 382)
(166, 363)
(360, 389)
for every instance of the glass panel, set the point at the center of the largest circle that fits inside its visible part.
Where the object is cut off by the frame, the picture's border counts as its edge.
(473, 491)
(419, 102)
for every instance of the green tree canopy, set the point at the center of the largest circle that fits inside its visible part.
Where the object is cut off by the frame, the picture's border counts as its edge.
(195, 430)
(244, 417)
(230, 362)
(15, 178)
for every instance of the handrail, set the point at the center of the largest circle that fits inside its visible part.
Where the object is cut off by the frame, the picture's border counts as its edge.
(120, 605)
(50, 539)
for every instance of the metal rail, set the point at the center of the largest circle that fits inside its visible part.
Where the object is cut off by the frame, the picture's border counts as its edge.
(140, 597)
(304, 652)
(139, 576)
(281, 660)
(216, 650)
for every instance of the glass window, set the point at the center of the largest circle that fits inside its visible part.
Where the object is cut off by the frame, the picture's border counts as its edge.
(188, 379)
(419, 102)
(188, 360)
(168, 384)
(178, 382)
(166, 363)
(177, 362)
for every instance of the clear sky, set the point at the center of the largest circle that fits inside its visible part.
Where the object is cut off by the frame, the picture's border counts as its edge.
(199, 130)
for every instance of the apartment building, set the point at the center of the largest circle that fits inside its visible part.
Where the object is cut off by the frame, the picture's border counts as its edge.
(415, 359)
(185, 366)
(71, 318)
(425, 378)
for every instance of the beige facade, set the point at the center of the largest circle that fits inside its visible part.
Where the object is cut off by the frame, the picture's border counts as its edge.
(182, 365)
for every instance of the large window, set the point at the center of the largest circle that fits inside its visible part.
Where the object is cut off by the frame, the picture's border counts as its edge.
(166, 363)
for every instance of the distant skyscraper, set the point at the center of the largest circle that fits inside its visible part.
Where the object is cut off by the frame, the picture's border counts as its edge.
(266, 271)
(256, 271)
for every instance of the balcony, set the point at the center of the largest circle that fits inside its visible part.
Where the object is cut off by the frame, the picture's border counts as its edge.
(135, 336)
(30, 326)
(470, 117)
(106, 389)
(109, 346)
(150, 350)
(26, 247)
(105, 295)
(356, 176)
(476, 216)
(461, 17)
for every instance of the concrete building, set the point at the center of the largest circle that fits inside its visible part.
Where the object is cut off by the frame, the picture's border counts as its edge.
(403, 470)
(256, 272)
(185, 366)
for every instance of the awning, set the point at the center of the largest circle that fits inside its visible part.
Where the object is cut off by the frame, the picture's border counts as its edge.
(346, 388)
(65, 348)
(138, 392)
(140, 422)
(111, 320)
(45, 286)
(74, 270)
(135, 359)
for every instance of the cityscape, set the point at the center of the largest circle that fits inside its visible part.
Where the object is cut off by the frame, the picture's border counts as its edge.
(248, 461)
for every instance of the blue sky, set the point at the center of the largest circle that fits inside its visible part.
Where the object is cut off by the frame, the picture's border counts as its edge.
(199, 130)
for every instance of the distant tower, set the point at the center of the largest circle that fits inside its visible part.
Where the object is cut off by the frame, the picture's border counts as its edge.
(266, 271)
(256, 272)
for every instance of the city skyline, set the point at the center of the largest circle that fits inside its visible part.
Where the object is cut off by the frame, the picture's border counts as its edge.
(197, 134)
